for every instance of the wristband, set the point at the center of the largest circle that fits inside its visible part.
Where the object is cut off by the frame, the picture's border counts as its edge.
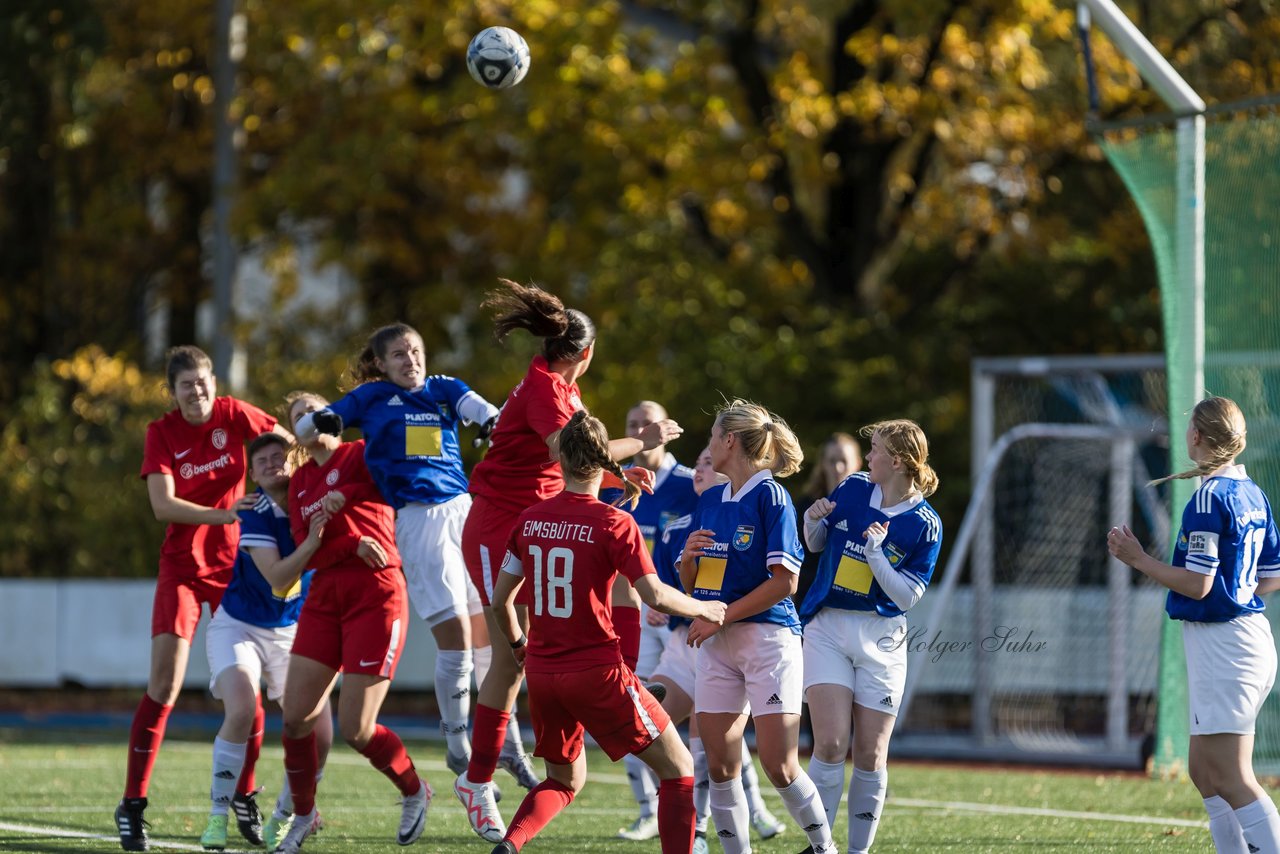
(519, 644)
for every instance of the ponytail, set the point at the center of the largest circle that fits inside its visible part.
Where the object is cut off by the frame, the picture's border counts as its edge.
(767, 441)
(565, 332)
(1221, 426)
(904, 439)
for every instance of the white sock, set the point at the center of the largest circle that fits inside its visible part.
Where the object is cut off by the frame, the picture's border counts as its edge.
(751, 782)
(1228, 838)
(802, 801)
(701, 784)
(729, 809)
(228, 762)
(482, 660)
(866, 803)
(829, 778)
(1260, 823)
(453, 695)
(644, 784)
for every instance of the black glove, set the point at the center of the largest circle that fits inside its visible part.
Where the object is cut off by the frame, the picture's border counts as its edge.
(327, 422)
(486, 430)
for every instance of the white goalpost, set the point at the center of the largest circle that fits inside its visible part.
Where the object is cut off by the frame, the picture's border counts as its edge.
(1034, 644)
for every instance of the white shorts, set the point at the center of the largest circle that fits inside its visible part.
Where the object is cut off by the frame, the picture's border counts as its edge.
(653, 640)
(229, 642)
(849, 648)
(756, 663)
(1231, 667)
(679, 661)
(429, 537)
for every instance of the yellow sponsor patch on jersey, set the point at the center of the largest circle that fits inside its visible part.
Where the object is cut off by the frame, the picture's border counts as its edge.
(710, 573)
(422, 441)
(286, 593)
(852, 574)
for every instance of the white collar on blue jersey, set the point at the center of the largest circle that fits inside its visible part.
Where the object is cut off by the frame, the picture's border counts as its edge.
(755, 479)
(912, 500)
(664, 468)
(1231, 472)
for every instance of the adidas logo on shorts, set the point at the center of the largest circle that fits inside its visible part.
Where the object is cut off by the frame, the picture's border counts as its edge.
(842, 525)
(395, 401)
(774, 700)
(887, 701)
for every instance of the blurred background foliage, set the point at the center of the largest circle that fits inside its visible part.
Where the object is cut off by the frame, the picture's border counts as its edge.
(828, 207)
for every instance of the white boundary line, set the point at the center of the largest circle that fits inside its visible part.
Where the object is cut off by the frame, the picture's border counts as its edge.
(1002, 809)
(61, 833)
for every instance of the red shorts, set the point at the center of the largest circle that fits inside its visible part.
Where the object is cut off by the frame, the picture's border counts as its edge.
(484, 544)
(354, 620)
(608, 702)
(176, 607)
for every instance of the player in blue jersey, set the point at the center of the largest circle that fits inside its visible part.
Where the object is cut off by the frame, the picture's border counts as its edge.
(249, 639)
(410, 423)
(744, 550)
(677, 670)
(1226, 555)
(672, 497)
(879, 540)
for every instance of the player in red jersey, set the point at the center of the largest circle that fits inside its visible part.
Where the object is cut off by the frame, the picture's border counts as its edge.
(353, 621)
(520, 469)
(193, 463)
(570, 548)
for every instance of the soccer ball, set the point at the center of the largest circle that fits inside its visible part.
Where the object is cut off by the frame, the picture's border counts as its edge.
(498, 57)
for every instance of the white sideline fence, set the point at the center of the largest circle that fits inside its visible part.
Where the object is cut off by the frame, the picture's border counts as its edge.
(97, 633)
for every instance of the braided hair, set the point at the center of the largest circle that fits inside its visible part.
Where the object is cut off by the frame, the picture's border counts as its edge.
(565, 332)
(584, 450)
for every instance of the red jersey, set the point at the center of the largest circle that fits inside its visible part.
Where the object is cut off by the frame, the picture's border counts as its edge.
(568, 549)
(365, 513)
(207, 464)
(517, 471)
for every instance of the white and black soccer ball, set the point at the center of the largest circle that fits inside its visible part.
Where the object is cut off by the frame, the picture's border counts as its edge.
(498, 57)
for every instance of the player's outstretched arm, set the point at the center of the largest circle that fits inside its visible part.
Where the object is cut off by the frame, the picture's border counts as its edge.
(168, 507)
(1124, 546)
(668, 600)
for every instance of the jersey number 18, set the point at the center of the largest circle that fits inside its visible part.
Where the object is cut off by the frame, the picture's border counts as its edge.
(559, 576)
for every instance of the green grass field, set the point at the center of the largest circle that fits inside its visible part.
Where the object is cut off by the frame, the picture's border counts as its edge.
(58, 790)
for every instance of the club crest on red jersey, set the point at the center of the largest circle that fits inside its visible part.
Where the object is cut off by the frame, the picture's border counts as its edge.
(219, 438)
(331, 478)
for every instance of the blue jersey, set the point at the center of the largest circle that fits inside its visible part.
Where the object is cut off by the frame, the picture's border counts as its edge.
(753, 530)
(411, 437)
(843, 579)
(666, 559)
(1227, 532)
(249, 597)
(672, 497)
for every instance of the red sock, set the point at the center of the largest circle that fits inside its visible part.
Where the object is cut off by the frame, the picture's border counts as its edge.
(676, 816)
(385, 751)
(252, 750)
(626, 623)
(543, 803)
(145, 736)
(488, 731)
(300, 765)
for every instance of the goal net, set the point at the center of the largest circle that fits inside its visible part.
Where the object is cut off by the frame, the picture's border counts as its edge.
(1034, 644)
